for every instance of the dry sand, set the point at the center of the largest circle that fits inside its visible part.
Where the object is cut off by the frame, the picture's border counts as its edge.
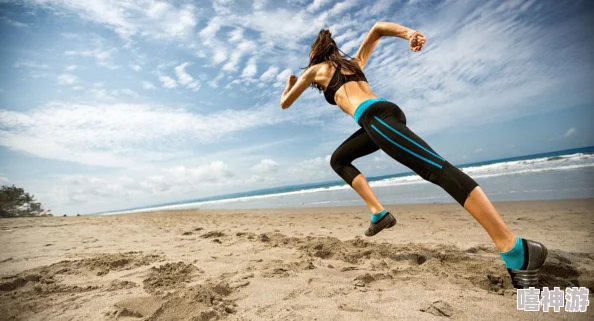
(437, 263)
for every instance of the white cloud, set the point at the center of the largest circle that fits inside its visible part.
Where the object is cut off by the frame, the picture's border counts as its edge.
(200, 53)
(103, 94)
(128, 92)
(168, 82)
(269, 73)
(67, 79)
(317, 4)
(281, 78)
(214, 83)
(341, 7)
(317, 168)
(250, 69)
(121, 135)
(266, 166)
(570, 132)
(30, 64)
(148, 18)
(135, 67)
(184, 78)
(259, 4)
(284, 25)
(378, 7)
(231, 64)
(243, 48)
(13, 22)
(223, 7)
(478, 150)
(210, 173)
(219, 56)
(76, 189)
(148, 85)
(236, 35)
(211, 29)
(102, 56)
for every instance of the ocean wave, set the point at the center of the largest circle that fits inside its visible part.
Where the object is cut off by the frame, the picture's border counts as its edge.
(566, 162)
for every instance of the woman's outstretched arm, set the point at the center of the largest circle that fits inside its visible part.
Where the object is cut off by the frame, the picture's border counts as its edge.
(383, 29)
(296, 86)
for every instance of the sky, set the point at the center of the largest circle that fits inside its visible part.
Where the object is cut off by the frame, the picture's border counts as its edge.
(111, 104)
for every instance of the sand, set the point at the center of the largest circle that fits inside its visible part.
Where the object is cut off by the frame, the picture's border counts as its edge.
(437, 263)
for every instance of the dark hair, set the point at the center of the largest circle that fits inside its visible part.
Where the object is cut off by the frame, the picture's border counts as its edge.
(325, 49)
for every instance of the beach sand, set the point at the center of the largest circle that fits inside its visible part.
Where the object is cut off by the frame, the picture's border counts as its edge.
(437, 263)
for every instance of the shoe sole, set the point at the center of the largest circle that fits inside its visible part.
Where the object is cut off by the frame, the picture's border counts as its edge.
(523, 279)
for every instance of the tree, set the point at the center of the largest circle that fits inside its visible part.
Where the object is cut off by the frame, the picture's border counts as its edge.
(15, 202)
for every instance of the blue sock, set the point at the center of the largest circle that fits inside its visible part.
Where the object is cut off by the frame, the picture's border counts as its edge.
(514, 258)
(378, 216)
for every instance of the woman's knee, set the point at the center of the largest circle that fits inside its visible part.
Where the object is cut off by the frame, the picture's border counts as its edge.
(337, 161)
(456, 182)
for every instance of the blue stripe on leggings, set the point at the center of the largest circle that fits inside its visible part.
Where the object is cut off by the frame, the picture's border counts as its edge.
(413, 153)
(410, 140)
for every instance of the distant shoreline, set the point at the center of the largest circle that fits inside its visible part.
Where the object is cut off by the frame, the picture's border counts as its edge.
(412, 206)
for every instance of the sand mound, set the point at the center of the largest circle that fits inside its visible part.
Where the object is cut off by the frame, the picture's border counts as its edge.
(47, 278)
(280, 268)
(200, 302)
(212, 234)
(169, 276)
(116, 285)
(37, 284)
(565, 269)
(36, 289)
(439, 308)
(106, 263)
(367, 279)
(100, 264)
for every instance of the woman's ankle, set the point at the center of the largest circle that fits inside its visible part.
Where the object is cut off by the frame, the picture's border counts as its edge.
(506, 244)
(375, 209)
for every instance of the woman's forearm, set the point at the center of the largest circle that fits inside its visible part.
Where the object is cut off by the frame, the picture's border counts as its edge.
(286, 91)
(393, 30)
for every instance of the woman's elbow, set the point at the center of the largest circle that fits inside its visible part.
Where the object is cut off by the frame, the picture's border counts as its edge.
(284, 104)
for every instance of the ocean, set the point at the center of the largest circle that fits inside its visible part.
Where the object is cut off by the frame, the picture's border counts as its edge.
(564, 174)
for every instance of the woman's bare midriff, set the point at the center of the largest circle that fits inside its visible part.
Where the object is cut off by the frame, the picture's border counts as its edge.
(358, 92)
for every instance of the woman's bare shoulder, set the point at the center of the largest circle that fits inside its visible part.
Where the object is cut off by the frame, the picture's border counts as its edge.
(321, 69)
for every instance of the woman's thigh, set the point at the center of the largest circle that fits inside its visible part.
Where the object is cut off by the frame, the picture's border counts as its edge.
(397, 140)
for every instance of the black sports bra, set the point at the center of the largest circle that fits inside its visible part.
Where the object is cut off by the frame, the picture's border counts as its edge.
(339, 79)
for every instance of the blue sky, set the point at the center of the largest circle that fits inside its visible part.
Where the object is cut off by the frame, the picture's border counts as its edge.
(108, 104)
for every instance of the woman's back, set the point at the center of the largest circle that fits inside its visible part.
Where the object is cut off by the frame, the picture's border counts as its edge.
(348, 94)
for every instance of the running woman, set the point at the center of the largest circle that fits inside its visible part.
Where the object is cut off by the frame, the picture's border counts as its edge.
(383, 126)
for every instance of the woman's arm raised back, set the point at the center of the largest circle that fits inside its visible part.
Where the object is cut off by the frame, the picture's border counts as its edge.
(382, 29)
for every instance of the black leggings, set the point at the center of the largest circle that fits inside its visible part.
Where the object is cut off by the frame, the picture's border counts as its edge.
(383, 126)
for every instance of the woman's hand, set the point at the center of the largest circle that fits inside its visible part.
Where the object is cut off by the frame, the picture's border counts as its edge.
(417, 41)
(291, 80)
